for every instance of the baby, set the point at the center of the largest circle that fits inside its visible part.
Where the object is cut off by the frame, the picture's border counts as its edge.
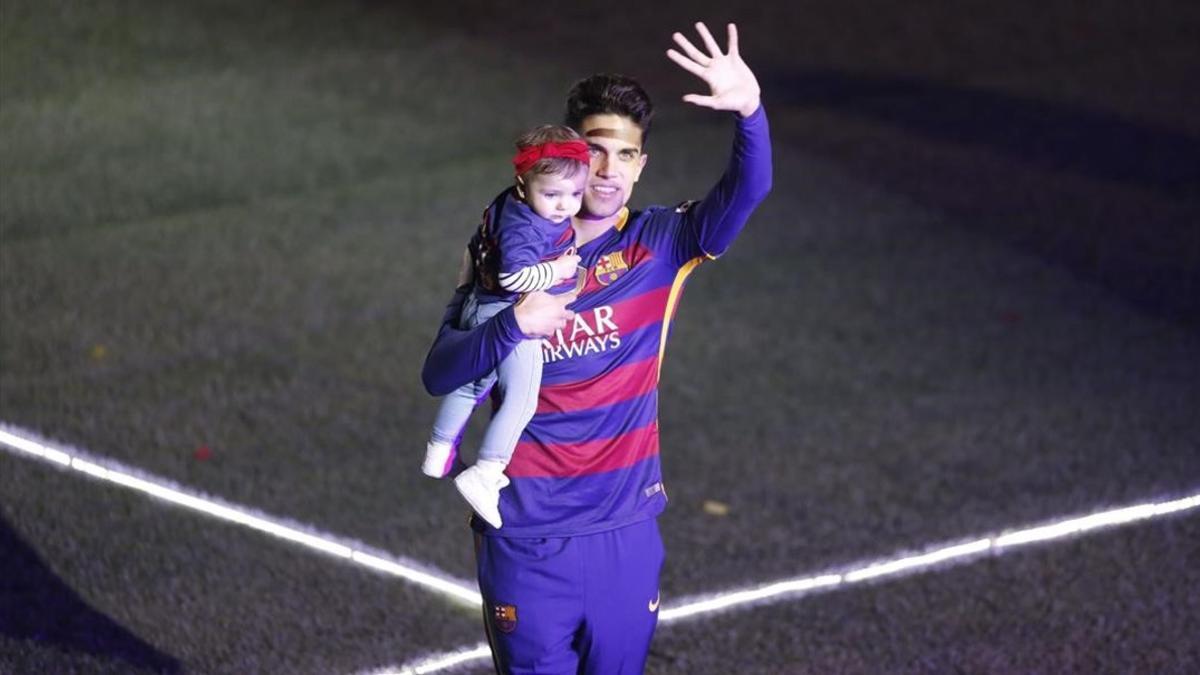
(525, 243)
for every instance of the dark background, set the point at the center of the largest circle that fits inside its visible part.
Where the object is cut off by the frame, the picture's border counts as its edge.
(970, 303)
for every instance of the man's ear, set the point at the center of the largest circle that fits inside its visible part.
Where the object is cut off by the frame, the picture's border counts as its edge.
(641, 165)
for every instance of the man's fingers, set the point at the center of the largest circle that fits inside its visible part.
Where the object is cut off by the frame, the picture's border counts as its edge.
(713, 47)
(689, 48)
(687, 64)
(539, 314)
(733, 40)
(697, 99)
(567, 298)
(559, 323)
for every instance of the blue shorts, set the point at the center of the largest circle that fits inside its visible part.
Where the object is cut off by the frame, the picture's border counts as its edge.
(585, 604)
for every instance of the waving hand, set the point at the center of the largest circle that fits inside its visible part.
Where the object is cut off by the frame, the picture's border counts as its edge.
(731, 83)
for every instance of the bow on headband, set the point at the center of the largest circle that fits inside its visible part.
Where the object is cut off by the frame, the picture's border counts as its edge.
(529, 155)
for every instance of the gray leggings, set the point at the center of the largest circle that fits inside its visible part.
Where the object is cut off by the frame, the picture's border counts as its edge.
(519, 376)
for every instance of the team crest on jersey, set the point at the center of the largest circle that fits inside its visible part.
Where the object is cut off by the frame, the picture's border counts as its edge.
(610, 268)
(504, 617)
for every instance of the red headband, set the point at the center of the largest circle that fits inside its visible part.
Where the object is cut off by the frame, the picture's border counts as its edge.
(529, 155)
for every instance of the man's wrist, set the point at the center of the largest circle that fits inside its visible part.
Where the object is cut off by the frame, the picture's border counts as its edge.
(508, 323)
(749, 110)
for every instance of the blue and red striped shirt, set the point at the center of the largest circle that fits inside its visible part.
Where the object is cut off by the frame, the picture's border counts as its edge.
(589, 459)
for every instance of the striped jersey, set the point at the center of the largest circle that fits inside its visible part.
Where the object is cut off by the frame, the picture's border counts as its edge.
(589, 459)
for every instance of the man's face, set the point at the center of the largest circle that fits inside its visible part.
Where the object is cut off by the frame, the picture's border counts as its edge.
(616, 163)
(556, 197)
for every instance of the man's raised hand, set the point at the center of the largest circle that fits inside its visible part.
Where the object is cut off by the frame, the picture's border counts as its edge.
(730, 81)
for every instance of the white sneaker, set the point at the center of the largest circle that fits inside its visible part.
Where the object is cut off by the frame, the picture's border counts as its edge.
(480, 485)
(439, 458)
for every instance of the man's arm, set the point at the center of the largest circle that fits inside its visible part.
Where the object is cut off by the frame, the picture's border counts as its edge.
(711, 225)
(461, 356)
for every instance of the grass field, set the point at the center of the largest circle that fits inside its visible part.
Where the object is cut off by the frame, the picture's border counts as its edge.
(969, 304)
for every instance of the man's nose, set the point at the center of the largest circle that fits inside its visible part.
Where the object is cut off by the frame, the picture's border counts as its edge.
(603, 168)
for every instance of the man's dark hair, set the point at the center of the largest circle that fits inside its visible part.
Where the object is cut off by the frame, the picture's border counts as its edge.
(605, 93)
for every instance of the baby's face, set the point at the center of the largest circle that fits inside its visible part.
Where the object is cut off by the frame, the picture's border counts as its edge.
(556, 198)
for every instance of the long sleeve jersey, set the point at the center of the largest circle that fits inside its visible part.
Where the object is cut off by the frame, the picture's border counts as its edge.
(589, 459)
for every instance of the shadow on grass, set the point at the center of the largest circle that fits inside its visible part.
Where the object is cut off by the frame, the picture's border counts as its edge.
(1112, 199)
(36, 605)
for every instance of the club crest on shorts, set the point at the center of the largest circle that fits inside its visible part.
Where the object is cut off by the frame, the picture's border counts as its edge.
(504, 617)
(610, 267)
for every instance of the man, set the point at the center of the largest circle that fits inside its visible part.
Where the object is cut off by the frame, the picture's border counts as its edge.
(570, 584)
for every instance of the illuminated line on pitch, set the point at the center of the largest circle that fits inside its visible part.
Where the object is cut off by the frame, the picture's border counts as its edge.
(897, 567)
(825, 582)
(748, 596)
(24, 442)
(1096, 521)
(433, 664)
(918, 561)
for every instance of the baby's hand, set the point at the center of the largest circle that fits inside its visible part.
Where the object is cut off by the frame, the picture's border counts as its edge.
(565, 264)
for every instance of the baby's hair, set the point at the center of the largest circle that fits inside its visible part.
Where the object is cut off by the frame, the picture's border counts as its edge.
(554, 166)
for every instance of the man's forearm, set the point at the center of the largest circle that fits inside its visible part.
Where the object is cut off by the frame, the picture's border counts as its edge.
(461, 356)
(721, 215)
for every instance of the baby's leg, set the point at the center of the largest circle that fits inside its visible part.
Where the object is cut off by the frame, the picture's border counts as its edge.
(519, 377)
(453, 414)
(457, 406)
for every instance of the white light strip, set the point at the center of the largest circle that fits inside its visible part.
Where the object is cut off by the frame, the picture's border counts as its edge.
(1096, 521)
(735, 598)
(33, 447)
(25, 442)
(899, 566)
(433, 664)
(918, 561)
(455, 589)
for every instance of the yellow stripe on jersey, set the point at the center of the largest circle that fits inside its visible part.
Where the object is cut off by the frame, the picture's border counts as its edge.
(672, 300)
(622, 219)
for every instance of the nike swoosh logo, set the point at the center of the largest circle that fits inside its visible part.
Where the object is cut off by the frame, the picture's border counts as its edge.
(654, 602)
